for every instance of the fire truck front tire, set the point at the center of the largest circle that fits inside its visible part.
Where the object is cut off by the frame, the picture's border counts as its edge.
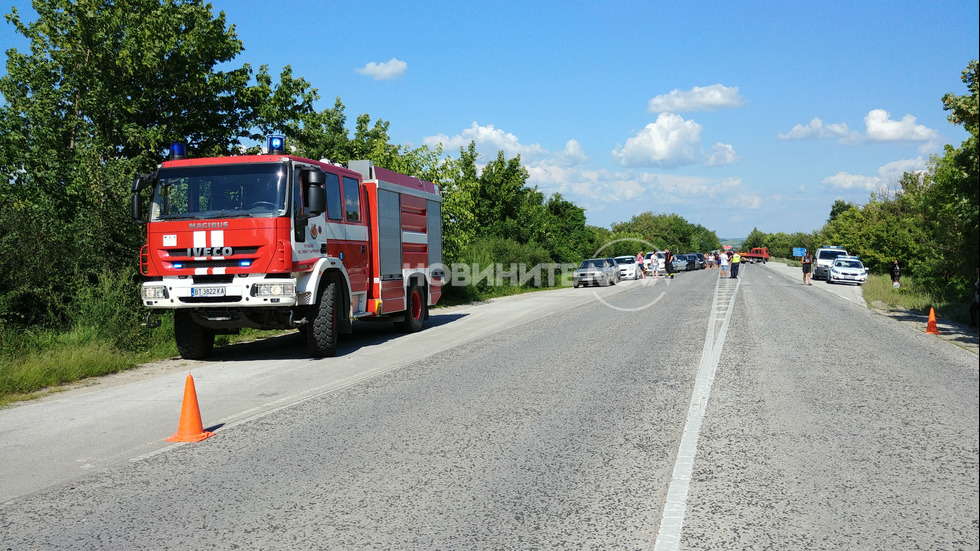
(415, 313)
(321, 337)
(193, 341)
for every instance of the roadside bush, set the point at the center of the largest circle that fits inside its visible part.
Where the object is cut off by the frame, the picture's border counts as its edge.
(109, 303)
(485, 254)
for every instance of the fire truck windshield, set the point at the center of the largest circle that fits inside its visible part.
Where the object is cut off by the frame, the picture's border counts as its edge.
(220, 191)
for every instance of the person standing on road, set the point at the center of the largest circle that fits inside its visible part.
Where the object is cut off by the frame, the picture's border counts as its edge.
(723, 265)
(639, 263)
(896, 274)
(807, 262)
(668, 264)
(736, 261)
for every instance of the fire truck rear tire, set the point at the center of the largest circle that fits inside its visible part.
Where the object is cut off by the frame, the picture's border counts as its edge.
(415, 310)
(193, 341)
(321, 338)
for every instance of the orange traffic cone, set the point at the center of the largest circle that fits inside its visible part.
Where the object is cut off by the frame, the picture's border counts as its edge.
(190, 429)
(931, 326)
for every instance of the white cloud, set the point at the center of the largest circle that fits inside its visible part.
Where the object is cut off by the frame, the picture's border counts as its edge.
(707, 98)
(671, 142)
(721, 154)
(892, 172)
(843, 180)
(888, 176)
(388, 70)
(618, 194)
(745, 201)
(817, 129)
(572, 154)
(878, 128)
(882, 129)
(489, 140)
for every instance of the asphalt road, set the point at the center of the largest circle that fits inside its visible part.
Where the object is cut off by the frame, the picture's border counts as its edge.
(692, 414)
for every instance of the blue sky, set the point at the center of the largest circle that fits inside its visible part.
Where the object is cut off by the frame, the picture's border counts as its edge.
(733, 115)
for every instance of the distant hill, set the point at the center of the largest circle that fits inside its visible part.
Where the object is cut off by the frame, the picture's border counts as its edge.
(735, 242)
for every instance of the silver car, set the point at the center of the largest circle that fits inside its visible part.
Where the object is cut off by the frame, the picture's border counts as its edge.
(595, 271)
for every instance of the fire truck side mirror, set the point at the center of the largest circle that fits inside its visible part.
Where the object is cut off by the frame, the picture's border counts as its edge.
(137, 211)
(316, 197)
(140, 183)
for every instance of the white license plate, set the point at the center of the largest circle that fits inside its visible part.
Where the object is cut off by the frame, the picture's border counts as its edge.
(207, 291)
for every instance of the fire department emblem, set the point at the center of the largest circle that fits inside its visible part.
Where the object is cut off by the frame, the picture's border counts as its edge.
(313, 232)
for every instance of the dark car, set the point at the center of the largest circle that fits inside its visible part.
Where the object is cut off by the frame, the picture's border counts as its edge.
(702, 261)
(697, 259)
(692, 262)
(685, 263)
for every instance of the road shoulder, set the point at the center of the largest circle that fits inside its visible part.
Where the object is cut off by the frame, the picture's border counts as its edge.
(955, 333)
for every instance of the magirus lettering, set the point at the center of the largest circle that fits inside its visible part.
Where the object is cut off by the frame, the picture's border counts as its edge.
(208, 225)
(210, 251)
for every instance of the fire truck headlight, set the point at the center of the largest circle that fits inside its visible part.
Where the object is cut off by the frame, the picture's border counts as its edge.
(155, 292)
(273, 289)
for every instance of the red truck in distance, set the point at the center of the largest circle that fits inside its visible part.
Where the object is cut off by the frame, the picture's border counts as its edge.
(276, 241)
(757, 254)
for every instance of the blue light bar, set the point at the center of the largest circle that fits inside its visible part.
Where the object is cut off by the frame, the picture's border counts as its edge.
(178, 151)
(277, 145)
(178, 265)
(245, 263)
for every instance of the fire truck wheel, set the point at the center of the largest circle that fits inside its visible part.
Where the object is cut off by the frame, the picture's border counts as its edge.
(321, 338)
(193, 341)
(415, 314)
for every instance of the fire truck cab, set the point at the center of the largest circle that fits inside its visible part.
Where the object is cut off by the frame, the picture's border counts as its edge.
(276, 241)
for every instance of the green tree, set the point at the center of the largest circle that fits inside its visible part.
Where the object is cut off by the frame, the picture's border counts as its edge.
(755, 239)
(669, 231)
(958, 176)
(502, 198)
(105, 87)
(567, 236)
(838, 207)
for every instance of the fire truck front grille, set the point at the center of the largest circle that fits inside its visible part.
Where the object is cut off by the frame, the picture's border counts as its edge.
(182, 253)
(215, 263)
(213, 279)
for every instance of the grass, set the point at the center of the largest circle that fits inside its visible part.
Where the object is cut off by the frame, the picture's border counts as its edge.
(911, 296)
(36, 363)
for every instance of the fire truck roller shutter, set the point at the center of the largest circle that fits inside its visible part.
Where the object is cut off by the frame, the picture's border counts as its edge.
(433, 213)
(389, 234)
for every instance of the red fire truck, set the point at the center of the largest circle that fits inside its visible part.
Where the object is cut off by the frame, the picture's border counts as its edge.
(276, 241)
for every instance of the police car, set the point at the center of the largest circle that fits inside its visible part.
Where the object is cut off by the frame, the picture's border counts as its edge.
(847, 269)
(824, 259)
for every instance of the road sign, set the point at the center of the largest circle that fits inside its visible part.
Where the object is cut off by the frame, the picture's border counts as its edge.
(799, 251)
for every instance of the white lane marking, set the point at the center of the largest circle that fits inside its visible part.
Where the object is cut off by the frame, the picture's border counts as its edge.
(672, 521)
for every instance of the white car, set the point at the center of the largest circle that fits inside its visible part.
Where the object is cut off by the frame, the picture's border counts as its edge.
(648, 263)
(629, 268)
(847, 269)
(824, 259)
